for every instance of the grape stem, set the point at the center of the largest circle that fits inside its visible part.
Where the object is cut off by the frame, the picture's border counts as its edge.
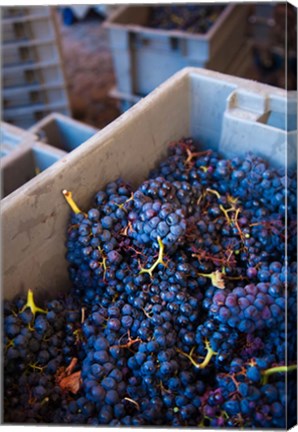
(70, 201)
(103, 263)
(266, 373)
(158, 261)
(133, 401)
(205, 362)
(83, 310)
(213, 191)
(191, 155)
(225, 212)
(31, 305)
(35, 367)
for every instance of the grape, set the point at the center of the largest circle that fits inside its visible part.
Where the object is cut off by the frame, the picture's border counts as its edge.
(176, 314)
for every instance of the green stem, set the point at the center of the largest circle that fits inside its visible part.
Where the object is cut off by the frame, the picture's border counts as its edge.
(158, 261)
(276, 369)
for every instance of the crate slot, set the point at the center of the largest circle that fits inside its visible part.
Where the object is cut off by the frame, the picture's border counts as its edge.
(15, 12)
(63, 132)
(25, 167)
(17, 55)
(14, 30)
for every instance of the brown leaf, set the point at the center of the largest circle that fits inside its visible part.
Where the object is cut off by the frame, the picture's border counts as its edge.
(71, 383)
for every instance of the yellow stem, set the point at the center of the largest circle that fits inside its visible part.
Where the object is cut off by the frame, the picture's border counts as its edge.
(158, 261)
(214, 192)
(68, 196)
(35, 367)
(31, 305)
(203, 168)
(225, 213)
(205, 362)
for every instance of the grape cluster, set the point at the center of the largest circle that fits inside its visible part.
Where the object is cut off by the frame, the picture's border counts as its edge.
(157, 220)
(177, 311)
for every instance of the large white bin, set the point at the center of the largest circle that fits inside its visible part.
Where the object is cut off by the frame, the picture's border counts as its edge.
(225, 113)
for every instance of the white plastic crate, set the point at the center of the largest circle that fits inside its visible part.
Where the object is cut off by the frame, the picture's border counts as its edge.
(62, 132)
(32, 72)
(237, 67)
(23, 12)
(27, 116)
(37, 73)
(12, 138)
(26, 120)
(50, 95)
(224, 113)
(26, 164)
(25, 154)
(29, 52)
(40, 27)
(144, 57)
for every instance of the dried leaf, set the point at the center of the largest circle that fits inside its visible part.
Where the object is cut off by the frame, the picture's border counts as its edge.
(217, 279)
(71, 383)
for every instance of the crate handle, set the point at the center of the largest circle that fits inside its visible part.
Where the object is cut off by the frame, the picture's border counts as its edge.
(249, 105)
(138, 40)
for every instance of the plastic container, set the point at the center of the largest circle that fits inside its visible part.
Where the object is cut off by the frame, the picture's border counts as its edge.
(145, 57)
(29, 52)
(23, 12)
(25, 154)
(26, 28)
(32, 74)
(12, 139)
(33, 78)
(62, 132)
(39, 95)
(30, 114)
(222, 112)
(28, 162)
(239, 67)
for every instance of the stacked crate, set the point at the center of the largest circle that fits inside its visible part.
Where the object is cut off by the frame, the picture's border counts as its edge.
(33, 81)
(27, 153)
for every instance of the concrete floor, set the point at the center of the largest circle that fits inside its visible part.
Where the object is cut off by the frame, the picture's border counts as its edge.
(89, 70)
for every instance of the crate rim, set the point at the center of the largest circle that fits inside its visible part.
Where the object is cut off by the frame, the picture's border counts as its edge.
(105, 135)
(110, 24)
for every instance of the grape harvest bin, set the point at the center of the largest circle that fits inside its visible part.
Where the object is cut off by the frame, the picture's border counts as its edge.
(145, 57)
(222, 112)
(229, 114)
(24, 154)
